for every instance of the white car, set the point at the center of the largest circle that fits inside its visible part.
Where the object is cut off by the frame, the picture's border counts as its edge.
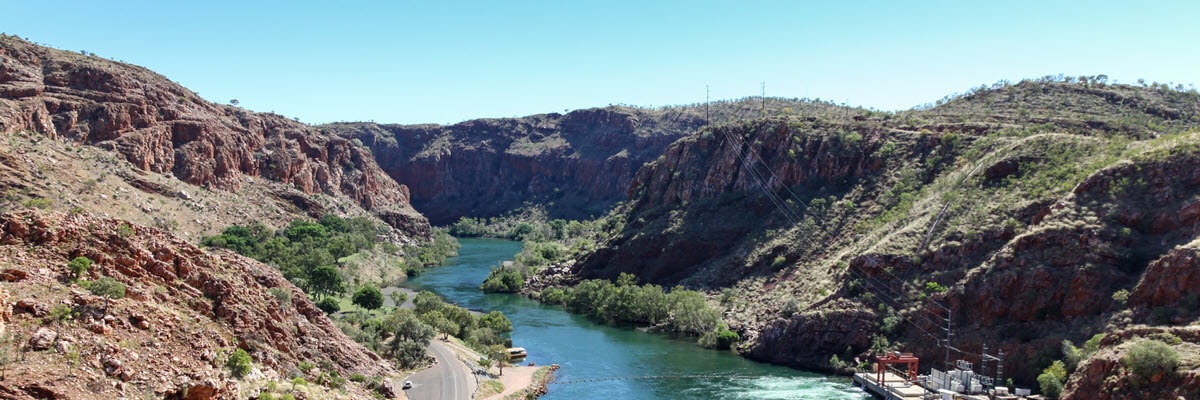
(407, 385)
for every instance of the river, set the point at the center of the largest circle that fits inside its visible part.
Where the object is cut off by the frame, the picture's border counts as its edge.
(586, 350)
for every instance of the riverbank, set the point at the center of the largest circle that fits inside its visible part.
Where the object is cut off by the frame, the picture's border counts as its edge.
(624, 363)
(517, 381)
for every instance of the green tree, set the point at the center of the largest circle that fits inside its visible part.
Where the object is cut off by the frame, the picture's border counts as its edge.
(300, 230)
(1051, 386)
(442, 324)
(496, 321)
(499, 354)
(108, 287)
(408, 354)
(329, 305)
(368, 297)
(409, 336)
(1052, 378)
(403, 324)
(427, 301)
(504, 279)
(79, 266)
(325, 281)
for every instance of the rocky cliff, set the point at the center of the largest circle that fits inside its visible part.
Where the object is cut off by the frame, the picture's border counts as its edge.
(1017, 210)
(576, 165)
(161, 127)
(184, 312)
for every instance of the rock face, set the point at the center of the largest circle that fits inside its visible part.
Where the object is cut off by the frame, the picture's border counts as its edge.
(1105, 377)
(185, 310)
(161, 127)
(836, 229)
(577, 165)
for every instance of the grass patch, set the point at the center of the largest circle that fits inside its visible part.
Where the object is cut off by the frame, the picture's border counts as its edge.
(489, 388)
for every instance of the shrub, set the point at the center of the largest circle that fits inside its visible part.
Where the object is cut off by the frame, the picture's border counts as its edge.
(239, 363)
(329, 305)
(282, 295)
(553, 296)
(109, 287)
(1051, 386)
(368, 297)
(39, 203)
(1148, 358)
(727, 338)
(62, 312)
(79, 266)
(1121, 296)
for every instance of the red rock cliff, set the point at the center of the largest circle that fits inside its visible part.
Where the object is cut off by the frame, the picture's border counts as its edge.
(162, 127)
(577, 164)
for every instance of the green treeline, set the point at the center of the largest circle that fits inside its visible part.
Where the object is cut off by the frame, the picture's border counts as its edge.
(545, 243)
(527, 224)
(404, 333)
(534, 256)
(307, 252)
(679, 310)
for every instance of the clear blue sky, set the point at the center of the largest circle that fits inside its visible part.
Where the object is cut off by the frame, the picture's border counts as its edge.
(445, 61)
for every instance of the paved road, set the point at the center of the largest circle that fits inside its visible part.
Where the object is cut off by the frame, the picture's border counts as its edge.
(448, 380)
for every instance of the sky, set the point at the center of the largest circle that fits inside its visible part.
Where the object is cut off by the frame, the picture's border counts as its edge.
(448, 61)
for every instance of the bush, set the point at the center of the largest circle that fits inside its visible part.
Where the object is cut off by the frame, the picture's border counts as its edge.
(109, 287)
(239, 363)
(39, 203)
(368, 297)
(1121, 296)
(553, 296)
(329, 305)
(1051, 387)
(503, 280)
(79, 266)
(721, 339)
(1148, 358)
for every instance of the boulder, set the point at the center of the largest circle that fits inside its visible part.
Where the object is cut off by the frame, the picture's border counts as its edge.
(42, 339)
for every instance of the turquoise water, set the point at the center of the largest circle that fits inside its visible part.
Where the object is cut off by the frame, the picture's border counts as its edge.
(588, 351)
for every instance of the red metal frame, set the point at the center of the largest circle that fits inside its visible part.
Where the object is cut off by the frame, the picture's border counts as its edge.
(884, 359)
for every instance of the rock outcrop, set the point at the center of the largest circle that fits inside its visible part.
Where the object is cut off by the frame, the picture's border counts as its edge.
(161, 127)
(576, 165)
(1022, 212)
(184, 312)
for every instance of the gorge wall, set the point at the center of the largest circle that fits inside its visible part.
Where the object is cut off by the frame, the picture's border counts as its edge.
(576, 165)
(1020, 208)
(161, 127)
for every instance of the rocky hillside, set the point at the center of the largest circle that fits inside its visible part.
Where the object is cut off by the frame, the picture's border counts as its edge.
(160, 127)
(183, 313)
(577, 165)
(1021, 208)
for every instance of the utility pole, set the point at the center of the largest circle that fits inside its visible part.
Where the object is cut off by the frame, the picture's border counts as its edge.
(764, 99)
(999, 359)
(707, 116)
(949, 335)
